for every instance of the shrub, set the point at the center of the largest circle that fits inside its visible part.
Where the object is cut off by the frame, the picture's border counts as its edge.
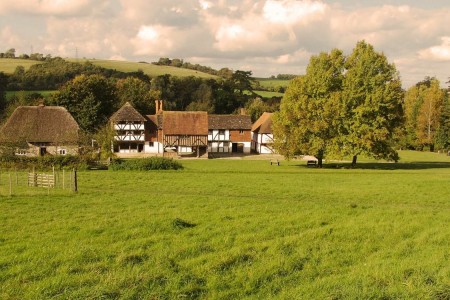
(145, 164)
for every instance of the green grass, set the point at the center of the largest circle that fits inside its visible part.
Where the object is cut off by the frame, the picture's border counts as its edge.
(233, 229)
(266, 94)
(8, 65)
(148, 68)
(271, 83)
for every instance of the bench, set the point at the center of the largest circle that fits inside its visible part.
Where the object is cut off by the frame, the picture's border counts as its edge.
(311, 163)
(274, 162)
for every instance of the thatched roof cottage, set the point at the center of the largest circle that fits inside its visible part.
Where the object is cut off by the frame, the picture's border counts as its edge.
(40, 130)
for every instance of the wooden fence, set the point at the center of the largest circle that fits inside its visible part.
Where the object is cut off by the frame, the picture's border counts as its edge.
(13, 181)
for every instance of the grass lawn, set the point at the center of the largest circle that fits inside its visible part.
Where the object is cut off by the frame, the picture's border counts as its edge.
(233, 229)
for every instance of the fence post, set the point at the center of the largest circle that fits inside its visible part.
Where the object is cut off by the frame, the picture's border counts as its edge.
(10, 185)
(63, 180)
(75, 180)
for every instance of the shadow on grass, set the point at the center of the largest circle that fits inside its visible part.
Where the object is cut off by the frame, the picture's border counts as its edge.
(419, 165)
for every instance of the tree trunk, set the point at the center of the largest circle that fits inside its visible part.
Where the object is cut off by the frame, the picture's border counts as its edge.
(355, 157)
(319, 159)
(431, 147)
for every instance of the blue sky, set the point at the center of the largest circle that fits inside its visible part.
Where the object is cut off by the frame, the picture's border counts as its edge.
(268, 37)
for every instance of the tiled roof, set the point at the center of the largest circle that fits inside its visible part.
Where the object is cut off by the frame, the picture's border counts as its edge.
(229, 122)
(184, 122)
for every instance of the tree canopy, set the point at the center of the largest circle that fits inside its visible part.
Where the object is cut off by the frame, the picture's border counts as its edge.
(342, 106)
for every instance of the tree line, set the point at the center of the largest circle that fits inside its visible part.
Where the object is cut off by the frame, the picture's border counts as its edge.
(354, 105)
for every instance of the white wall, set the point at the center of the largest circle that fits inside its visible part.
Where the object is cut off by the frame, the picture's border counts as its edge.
(157, 148)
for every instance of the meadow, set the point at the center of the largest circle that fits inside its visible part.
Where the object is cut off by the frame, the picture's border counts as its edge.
(234, 229)
(9, 65)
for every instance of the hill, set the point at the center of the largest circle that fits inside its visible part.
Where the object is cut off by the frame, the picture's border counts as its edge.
(149, 69)
(8, 65)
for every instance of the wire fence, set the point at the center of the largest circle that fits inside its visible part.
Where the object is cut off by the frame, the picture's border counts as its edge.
(20, 182)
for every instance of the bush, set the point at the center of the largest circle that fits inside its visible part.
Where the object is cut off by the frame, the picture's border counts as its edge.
(145, 164)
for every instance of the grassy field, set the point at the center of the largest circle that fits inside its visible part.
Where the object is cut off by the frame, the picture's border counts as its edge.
(271, 83)
(148, 68)
(234, 229)
(45, 94)
(266, 94)
(8, 65)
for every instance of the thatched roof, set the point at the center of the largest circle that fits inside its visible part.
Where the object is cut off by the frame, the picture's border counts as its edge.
(184, 122)
(233, 122)
(46, 124)
(263, 124)
(127, 113)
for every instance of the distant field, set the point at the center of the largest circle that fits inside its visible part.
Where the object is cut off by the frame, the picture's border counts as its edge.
(147, 68)
(233, 229)
(8, 65)
(45, 94)
(271, 83)
(266, 94)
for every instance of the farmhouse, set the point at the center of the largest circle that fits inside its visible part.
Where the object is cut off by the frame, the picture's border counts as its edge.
(40, 130)
(129, 126)
(179, 133)
(229, 134)
(262, 134)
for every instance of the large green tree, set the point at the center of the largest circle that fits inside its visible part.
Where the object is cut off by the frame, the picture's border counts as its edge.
(90, 99)
(309, 116)
(137, 92)
(372, 104)
(342, 106)
(424, 106)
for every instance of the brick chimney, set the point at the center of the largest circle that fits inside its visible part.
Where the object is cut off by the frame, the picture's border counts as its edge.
(158, 106)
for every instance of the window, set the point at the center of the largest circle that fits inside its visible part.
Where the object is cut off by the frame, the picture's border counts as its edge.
(62, 151)
(21, 152)
(241, 131)
(150, 144)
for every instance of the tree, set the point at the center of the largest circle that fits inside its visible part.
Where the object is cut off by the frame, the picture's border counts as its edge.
(430, 114)
(424, 104)
(256, 107)
(137, 92)
(309, 116)
(372, 103)
(90, 99)
(242, 81)
(11, 53)
(3, 103)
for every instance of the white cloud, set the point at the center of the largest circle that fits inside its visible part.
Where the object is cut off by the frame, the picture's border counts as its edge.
(289, 12)
(438, 52)
(47, 7)
(265, 36)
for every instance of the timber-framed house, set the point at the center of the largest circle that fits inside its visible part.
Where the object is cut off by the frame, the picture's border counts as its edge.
(229, 134)
(262, 134)
(129, 127)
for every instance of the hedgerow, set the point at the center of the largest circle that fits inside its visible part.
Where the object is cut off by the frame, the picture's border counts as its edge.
(145, 164)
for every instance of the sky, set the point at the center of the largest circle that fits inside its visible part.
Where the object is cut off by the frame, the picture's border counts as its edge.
(267, 37)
